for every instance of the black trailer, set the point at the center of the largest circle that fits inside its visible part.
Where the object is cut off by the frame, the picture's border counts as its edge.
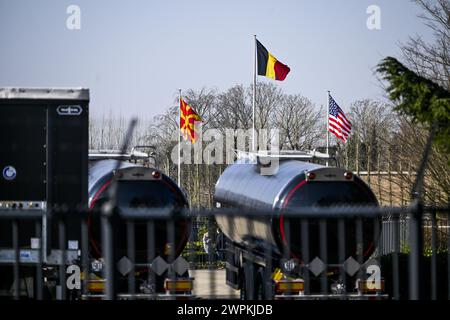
(44, 154)
(296, 184)
(44, 165)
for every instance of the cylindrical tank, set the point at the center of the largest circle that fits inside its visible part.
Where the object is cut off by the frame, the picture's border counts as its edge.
(138, 187)
(296, 184)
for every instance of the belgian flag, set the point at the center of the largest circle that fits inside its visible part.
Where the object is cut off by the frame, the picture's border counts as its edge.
(269, 66)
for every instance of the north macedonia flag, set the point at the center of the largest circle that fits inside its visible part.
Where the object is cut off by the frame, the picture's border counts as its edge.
(188, 117)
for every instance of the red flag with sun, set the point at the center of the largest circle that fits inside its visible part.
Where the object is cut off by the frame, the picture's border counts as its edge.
(188, 117)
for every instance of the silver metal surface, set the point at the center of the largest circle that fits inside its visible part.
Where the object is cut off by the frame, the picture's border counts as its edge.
(31, 256)
(242, 185)
(23, 205)
(44, 93)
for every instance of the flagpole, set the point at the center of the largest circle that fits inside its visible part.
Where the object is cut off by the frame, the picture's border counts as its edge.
(179, 140)
(328, 124)
(254, 98)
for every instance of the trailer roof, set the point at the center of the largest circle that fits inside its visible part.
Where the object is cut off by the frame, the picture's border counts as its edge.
(45, 93)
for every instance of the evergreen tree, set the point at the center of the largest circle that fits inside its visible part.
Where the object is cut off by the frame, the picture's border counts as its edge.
(420, 98)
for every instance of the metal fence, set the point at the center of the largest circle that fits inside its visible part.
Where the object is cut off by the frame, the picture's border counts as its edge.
(45, 253)
(398, 227)
(415, 267)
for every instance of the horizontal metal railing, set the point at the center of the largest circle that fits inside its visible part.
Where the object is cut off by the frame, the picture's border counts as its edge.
(58, 257)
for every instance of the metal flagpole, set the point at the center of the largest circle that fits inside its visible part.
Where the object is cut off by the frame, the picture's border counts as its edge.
(254, 98)
(328, 124)
(179, 139)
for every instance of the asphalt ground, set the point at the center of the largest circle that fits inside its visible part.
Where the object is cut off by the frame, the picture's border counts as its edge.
(210, 284)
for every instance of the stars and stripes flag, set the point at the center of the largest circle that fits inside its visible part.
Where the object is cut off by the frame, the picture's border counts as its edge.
(338, 124)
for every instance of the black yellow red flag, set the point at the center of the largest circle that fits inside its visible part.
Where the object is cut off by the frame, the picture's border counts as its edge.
(269, 66)
(188, 117)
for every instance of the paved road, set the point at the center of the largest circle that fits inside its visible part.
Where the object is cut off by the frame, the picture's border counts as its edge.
(210, 284)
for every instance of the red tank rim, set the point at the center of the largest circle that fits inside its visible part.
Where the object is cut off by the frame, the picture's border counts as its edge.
(97, 195)
(281, 221)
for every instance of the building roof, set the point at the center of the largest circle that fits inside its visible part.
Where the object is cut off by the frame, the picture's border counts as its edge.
(44, 93)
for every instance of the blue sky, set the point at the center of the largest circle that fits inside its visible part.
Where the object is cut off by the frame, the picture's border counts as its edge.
(134, 55)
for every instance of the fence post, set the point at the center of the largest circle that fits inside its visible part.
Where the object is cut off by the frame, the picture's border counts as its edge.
(15, 241)
(416, 253)
(305, 252)
(85, 253)
(416, 232)
(131, 246)
(395, 260)
(108, 251)
(39, 279)
(341, 251)
(323, 254)
(62, 246)
(433, 255)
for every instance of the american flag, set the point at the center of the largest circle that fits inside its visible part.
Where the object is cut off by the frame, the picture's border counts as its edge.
(338, 123)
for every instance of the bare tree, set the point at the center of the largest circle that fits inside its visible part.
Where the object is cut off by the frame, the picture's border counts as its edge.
(373, 125)
(204, 103)
(409, 143)
(234, 109)
(298, 122)
(268, 99)
(432, 60)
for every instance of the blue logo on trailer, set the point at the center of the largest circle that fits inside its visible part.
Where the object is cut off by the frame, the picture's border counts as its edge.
(9, 173)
